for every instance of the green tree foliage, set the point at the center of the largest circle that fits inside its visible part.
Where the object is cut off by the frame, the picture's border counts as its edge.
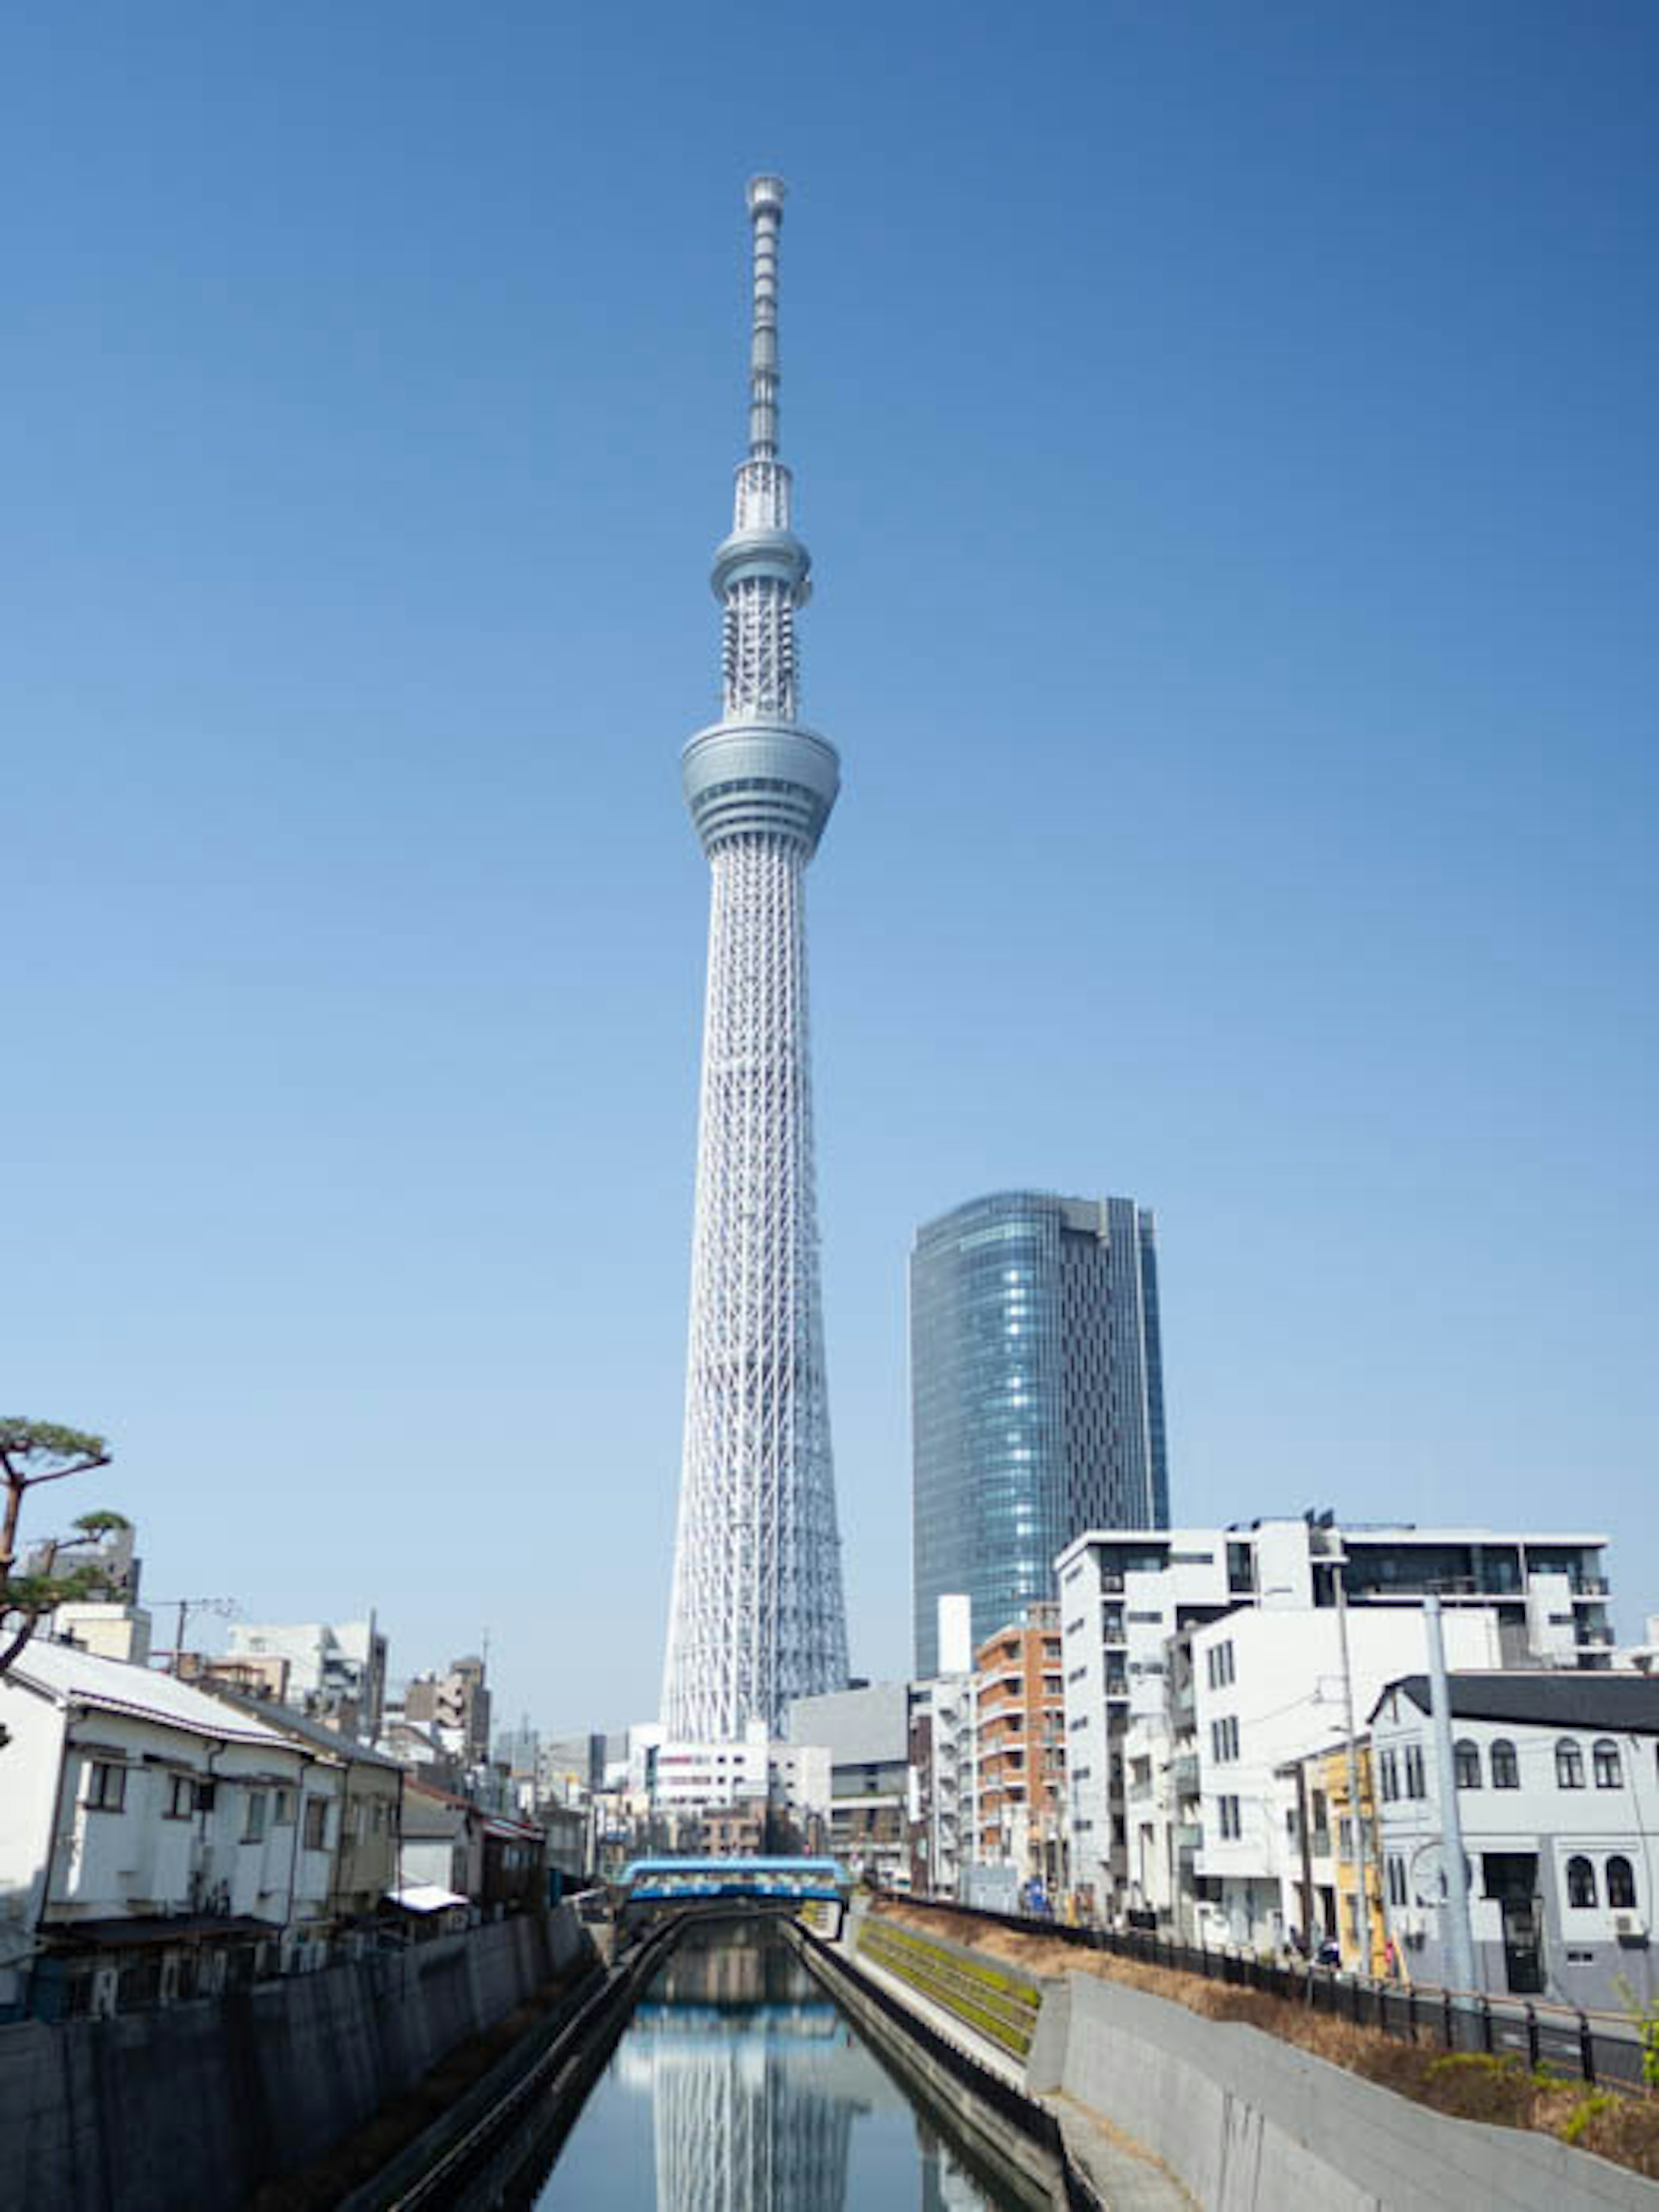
(32, 1453)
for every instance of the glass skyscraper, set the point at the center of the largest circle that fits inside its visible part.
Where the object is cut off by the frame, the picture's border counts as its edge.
(1037, 1388)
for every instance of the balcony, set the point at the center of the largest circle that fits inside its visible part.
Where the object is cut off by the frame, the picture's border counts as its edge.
(1594, 1634)
(1183, 1774)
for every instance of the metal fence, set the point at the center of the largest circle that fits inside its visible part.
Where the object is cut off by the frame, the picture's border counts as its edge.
(1600, 2048)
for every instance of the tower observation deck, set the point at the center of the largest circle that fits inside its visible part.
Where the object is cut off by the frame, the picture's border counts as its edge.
(757, 1617)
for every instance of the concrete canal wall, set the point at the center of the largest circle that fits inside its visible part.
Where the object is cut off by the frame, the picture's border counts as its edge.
(190, 2108)
(1248, 2123)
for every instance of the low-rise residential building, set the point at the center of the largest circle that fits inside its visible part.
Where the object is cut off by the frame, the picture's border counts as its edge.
(363, 1791)
(154, 1843)
(1129, 1597)
(449, 1844)
(1019, 1751)
(1557, 1777)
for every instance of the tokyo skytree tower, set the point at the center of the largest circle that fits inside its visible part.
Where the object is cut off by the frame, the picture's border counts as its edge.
(757, 1617)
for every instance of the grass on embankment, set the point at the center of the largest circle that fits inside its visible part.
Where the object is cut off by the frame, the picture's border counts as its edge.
(999, 2005)
(1505, 2091)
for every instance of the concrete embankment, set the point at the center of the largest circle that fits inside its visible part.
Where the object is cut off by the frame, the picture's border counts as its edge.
(1253, 2124)
(1246, 2121)
(192, 2108)
(923, 2021)
(514, 2119)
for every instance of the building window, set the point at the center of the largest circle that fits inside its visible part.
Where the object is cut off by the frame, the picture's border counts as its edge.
(282, 1812)
(316, 1824)
(1604, 1760)
(253, 1827)
(181, 1797)
(1466, 1762)
(1398, 1892)
(1569, 1767)
(1229, 1824)
(1224, 1739)
(106, 1786)
(1621, 1884)
(1505, 1767)
(1390, 1777)
(1581, 1883)
(1414, 1786)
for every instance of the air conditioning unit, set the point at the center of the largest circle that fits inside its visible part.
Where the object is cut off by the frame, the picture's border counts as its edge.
(1630, 1927)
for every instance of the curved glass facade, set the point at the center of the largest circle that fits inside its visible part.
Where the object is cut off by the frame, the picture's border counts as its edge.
(1036, 1396)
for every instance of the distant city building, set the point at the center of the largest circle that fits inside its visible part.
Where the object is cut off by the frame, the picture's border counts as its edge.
(942, 1757)
(1155, 1824)
(334, 1671)
(455, 1706)
(1036, 1384)
(866, 1734)
(113, 1624)
(708, 1793)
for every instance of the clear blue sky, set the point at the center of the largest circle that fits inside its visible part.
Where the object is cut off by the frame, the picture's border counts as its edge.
(1226, 437)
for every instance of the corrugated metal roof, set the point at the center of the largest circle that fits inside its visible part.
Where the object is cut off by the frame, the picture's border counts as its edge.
(70, 1676)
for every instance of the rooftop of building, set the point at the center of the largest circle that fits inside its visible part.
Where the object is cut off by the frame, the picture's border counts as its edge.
(69, 1675)
(1553, 1697)
(1354, 1532)
(1087, 1215)
(348, 1749)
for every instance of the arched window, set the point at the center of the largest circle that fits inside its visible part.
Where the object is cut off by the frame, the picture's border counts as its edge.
(1505, 1767)
(1569, 1767)
(1465, 1761)
(1581, 1882)
(1621, 1884)
(1604, 1756)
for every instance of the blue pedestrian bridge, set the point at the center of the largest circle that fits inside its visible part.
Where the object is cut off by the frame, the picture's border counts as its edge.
(696, 1881)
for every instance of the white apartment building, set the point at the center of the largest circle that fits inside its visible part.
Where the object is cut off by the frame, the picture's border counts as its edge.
(1131, 1601)
(1557, 1777)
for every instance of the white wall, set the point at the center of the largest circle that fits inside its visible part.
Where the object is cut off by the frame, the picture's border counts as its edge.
(1286, 1696)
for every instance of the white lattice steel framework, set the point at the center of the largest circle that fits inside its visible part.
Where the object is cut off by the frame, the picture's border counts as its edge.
(757, 1617)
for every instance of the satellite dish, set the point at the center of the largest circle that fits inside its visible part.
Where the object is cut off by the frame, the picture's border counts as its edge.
(1428, 1873)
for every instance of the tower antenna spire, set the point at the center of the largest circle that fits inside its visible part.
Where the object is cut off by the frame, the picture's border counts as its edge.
(766, 217)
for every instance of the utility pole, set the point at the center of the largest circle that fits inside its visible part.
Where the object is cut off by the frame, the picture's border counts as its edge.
(1309, 1948)
(1454, 1868)
(1356, 1811)
(226, 1607)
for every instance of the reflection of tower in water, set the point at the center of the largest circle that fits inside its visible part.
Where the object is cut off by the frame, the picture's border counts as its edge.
(751, 2111)
(742, 2126)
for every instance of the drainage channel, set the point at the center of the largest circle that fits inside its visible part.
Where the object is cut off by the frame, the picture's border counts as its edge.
(739, 2085)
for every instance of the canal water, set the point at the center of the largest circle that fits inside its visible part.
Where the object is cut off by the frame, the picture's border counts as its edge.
(738, 2087)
